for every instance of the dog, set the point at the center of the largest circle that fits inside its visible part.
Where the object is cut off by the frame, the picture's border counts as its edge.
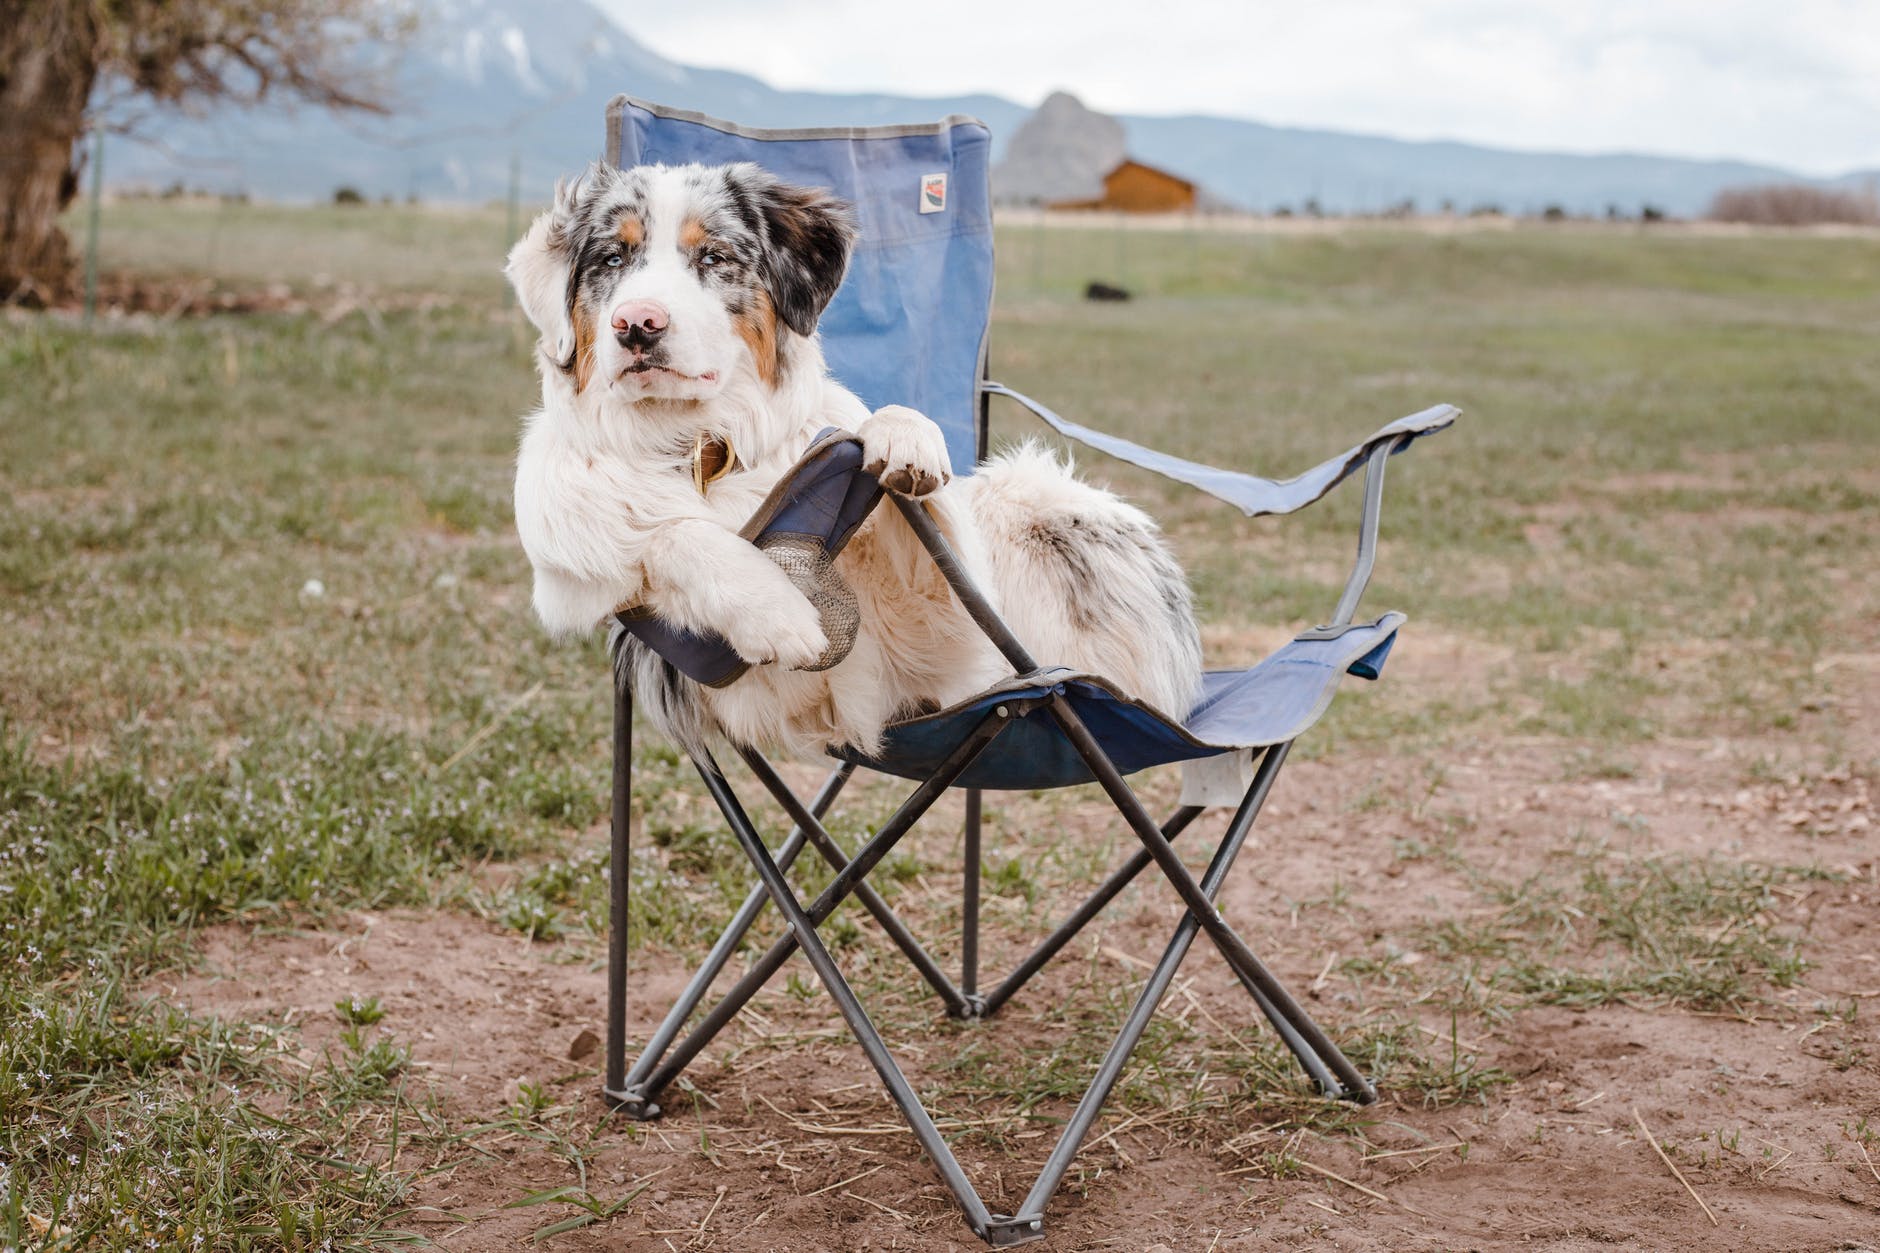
(682, 376)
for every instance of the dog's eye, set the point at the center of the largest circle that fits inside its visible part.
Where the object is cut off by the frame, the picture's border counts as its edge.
(711, 256)
(615, 260)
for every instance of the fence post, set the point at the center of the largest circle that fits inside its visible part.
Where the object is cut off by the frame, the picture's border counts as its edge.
(1037, 254)
(91, 231)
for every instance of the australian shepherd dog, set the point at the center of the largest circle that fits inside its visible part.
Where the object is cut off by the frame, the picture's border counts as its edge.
(681, 376)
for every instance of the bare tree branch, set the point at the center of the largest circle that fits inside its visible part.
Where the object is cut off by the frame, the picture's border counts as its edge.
(54, 54)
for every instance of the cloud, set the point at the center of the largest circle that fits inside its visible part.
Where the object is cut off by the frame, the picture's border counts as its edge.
(1794, 84)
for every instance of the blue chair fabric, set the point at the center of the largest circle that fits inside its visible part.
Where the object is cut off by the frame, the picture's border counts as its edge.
(908, 325)
(1270, 703)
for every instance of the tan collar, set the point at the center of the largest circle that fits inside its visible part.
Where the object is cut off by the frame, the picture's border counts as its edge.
(713, 457)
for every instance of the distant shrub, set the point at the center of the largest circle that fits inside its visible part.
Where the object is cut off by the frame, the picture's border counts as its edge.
(1650, 213)
(348, 195)
(1794, 204)
(1553, 213)
(1485, 211)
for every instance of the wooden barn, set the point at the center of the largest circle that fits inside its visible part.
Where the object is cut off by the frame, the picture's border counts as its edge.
(1133, 187)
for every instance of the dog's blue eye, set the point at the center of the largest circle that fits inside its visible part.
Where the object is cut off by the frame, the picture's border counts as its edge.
(615, 260)
(712, 258)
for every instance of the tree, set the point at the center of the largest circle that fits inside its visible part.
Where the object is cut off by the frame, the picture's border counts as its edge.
(58, 56)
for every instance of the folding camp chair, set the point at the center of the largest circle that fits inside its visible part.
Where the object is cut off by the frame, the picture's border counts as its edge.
(909, 327)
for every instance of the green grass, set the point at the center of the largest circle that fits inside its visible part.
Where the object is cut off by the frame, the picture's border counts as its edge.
(1608, 928)
(1193, 1077)
(1667, 450)
(259, 597)
(383, 250)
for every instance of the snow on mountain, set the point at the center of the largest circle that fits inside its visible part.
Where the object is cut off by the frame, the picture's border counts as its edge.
(483, 82)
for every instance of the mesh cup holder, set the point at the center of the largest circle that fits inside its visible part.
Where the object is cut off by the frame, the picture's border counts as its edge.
(809, 567)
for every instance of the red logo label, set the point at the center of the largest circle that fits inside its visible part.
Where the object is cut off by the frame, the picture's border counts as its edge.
(933, 193)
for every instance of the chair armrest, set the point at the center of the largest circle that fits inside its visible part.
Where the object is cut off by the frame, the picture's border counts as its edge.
(1360, 575)
(1255, 496)
(820, 501)
(1249, 493)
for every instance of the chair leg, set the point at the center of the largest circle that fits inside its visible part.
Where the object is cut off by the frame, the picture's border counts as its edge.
(1239, 957)
(626, 1095)
(1098, 900)
(619, 858)
(1111, 1068)
(832, 853)
(832, 895)
(1250, 805)
(1243, 820)
(803, 927)
(969, 904)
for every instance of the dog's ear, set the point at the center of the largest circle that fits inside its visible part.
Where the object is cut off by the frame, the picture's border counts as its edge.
(808, 234)
(541, 268)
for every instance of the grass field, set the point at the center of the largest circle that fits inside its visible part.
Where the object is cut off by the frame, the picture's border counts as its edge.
(270, 687)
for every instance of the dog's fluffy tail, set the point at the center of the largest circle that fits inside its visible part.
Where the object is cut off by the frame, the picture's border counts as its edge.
(1084, 578)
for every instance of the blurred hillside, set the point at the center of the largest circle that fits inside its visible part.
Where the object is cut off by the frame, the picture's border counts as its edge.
(491, 82)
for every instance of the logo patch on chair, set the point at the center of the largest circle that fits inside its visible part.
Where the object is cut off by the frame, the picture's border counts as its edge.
(933, 193)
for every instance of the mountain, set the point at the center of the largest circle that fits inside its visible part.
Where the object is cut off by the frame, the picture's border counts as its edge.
(488, 82)
(484, 83)
(1264, 167)
(1061, 152)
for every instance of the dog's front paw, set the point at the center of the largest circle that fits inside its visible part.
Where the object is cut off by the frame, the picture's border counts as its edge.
(906, 451)
(785, 630)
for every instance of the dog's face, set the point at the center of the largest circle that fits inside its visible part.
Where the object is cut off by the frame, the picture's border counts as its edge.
(659, 282)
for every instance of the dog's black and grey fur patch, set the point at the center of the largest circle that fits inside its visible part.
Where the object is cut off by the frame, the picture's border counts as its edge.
(765, 246)
(1080, 558)
(806, 235)
(669, 701)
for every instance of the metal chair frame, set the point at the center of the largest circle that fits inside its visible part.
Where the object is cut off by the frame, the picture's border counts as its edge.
(636, 1091)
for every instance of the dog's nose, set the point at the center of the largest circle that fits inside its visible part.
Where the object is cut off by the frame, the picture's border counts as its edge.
(640, 323)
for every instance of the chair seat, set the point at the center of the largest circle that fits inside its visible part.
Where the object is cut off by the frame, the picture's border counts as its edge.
(1267, 704)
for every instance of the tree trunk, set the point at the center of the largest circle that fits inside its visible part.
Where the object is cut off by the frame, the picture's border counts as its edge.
(46, 77)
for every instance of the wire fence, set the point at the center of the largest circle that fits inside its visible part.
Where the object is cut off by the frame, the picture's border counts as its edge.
(262, 252)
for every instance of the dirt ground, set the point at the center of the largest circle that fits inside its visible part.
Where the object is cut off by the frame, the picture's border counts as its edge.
(790, 1144)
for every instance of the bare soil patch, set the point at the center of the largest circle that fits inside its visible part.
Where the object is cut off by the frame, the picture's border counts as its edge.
(789, 1144)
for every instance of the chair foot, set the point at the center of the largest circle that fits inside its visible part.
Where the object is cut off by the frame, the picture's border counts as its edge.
(973, 1007)
(631, 1103)
(1002, 1232)
(1363, 1094)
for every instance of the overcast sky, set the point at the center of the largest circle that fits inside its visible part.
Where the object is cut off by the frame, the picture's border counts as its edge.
(1789, 82)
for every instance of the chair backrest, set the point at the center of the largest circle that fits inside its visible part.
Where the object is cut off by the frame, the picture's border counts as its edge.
(908, 326)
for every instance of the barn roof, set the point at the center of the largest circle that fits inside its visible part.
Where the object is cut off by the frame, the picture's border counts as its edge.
(1157, 170)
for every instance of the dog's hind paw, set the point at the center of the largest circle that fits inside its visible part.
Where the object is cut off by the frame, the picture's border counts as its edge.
(906, 451)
